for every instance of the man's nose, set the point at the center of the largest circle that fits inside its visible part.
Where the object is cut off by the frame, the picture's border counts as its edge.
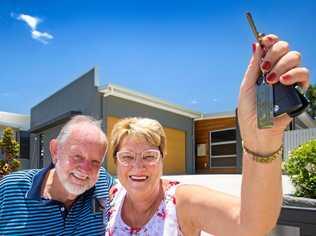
(86, 166)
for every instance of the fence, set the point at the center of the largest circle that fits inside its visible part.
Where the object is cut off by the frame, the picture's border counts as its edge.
(294, 138)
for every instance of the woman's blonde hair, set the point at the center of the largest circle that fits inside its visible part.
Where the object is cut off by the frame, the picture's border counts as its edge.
(146, 128)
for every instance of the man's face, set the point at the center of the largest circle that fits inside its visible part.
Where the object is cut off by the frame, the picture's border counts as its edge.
(79, 158)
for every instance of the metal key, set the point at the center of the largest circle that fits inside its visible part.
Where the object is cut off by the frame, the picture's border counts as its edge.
(264, 91)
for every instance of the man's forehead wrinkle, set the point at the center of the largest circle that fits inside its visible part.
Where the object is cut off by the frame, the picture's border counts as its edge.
(83, 133)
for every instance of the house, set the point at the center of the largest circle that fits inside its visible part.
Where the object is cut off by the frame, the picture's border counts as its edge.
(20, 124)
(108, 104)
(197, 143)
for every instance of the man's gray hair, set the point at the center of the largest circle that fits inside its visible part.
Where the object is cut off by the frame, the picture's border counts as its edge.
(66, 130)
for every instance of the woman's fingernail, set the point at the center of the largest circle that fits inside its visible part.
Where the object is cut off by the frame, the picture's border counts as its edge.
(266, 65)
(270, 39)
(254, 46)
(271, 77)
(286, 77)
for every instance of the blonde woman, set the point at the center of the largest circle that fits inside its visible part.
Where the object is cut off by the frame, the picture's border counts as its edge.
(144, 204)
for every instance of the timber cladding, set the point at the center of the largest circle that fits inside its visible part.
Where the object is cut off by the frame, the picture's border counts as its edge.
(202, 129)
(174, 162)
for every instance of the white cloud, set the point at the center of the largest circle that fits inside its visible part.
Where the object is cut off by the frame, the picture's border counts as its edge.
(41, 36)
(194, 101)
(214, 100)
(32, 22)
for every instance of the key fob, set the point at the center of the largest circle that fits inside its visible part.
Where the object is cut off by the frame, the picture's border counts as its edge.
(288, 99)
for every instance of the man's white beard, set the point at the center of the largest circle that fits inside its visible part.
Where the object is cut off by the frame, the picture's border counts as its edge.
(74, 189)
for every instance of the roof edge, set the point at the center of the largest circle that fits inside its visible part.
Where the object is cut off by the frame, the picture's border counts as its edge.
(228, 114)
(121, 92)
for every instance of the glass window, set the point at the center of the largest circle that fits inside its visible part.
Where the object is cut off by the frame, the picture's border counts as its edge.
(223, 148)
(24, 144)
(224, 162)
(223, 135)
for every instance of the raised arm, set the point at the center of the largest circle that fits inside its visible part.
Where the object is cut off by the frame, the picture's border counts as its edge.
(257, 211)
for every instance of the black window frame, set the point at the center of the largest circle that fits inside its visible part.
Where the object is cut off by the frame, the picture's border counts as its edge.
(213, 158)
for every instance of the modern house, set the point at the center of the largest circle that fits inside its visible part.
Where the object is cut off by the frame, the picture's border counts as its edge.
(108, 104)
(20, 124)
(197, 143)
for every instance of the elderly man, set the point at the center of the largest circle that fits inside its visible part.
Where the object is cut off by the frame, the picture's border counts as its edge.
(66, 198)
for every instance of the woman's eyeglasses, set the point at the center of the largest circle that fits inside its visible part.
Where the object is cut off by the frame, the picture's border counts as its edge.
(148, 157)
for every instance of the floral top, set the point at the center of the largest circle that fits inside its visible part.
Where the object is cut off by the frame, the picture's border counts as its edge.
(164, 221)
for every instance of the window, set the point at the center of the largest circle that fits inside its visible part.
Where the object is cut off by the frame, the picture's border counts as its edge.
(24, 138)
(223, 148)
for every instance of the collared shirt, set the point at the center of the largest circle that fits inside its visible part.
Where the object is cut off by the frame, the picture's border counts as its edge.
(23, 211)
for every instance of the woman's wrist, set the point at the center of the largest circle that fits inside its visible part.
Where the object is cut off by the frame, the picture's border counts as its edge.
(263, 148)
(267, 158)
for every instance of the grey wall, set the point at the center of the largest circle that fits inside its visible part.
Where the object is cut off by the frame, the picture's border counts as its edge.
(49, 115)
(80, 95)
(113, 106)
(46, 135)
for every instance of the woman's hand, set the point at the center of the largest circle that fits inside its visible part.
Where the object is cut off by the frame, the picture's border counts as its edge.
(280, 65)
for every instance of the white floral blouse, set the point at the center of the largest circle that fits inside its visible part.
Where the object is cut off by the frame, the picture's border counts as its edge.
(163, 223)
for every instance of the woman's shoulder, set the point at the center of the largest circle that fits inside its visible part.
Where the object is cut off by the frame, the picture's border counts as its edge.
(167, 184)
(169, 187)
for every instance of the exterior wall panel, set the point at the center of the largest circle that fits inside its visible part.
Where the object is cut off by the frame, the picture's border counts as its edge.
(40, 142)
(80, 95)
(202, 132)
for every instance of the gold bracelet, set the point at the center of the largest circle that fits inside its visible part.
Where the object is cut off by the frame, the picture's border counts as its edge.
(264, 159)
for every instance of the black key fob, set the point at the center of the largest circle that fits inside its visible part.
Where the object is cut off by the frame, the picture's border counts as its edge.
(288, 99)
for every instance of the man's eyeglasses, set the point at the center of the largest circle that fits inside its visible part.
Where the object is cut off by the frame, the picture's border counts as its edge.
(148, 157)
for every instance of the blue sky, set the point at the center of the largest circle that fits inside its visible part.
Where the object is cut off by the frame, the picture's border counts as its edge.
(190, 53)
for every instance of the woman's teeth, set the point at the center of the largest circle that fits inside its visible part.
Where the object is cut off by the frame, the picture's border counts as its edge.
(138, 178)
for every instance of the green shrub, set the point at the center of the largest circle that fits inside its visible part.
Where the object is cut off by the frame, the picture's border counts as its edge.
(10, 148)
(301, 168)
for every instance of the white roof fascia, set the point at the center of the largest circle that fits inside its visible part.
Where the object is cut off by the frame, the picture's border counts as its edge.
(11, 125)
(218, 115)
(117, 91)
(14, 120)
(305, 118)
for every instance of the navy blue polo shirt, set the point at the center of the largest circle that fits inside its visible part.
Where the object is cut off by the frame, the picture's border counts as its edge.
(24, 212)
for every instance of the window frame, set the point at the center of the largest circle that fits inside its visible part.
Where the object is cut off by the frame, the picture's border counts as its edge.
(222, 143)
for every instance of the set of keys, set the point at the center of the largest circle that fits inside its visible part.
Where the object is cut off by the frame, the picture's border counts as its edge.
(278, 99)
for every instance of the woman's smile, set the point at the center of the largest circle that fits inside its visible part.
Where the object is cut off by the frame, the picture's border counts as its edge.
(138, 178)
